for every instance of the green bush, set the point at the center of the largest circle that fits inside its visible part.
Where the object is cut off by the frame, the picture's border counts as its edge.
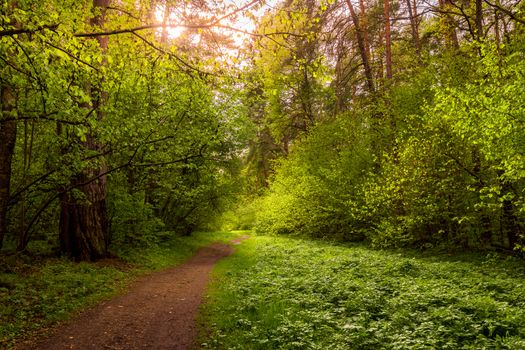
(317, 190)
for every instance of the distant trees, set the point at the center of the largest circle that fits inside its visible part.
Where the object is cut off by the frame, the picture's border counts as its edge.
(8, 129)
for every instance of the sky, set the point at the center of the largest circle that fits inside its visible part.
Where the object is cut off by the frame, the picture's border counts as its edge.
(240, 21)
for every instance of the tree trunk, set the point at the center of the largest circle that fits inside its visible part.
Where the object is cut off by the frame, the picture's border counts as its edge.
(479, 19)
(362, 47)
(364, 27)
(510, 227)
(83, 217)
(83, 221)
(7, 146)
(497, 35)
(388, 39)
(412, 13)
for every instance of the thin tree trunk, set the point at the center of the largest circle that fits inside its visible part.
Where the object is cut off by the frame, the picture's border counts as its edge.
(362, 47)
(412, 13)
(84, 221)
(510, 228)
(7, 146)
(479, 19)
(388, 39)
(364, 27)
(497, 34)
(22, 235)
(486, 230)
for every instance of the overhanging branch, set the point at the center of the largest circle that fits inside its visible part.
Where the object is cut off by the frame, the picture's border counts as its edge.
(11, 32)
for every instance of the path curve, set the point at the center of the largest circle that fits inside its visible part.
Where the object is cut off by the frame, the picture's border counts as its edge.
(158, 311)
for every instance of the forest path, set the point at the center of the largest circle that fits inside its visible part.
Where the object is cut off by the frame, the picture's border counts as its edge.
(158, 311)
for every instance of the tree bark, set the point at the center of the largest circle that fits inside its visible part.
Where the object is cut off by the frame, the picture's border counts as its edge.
(479, 19)
(497, 35)
(83, 218)
(388, 39)
(83, 221)
(364, 27)
(412, 13)
(8, 130)
(362, 47)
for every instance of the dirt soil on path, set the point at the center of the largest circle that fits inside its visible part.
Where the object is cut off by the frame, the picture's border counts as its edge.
(158, 311)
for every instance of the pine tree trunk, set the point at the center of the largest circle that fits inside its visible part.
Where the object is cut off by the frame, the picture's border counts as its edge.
(479, 19)
(83, 221)
(412, 13)
(388, 39)
(364, 28)
(362, 47)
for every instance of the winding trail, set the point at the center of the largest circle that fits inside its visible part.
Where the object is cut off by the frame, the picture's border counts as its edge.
(158, 312)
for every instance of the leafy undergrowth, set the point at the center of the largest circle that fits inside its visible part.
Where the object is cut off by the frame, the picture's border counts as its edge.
(37, 292)
(283, 293)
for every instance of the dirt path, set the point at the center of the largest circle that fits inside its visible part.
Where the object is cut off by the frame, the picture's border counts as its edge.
(158, 312)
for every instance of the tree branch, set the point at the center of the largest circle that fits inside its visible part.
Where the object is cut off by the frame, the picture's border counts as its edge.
(506, 11)
(46, 117)
(171, 55)
(12, 32)
(72, 56)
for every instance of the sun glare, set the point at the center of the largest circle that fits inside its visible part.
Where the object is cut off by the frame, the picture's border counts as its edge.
(239, 26)
(242, 23)
(173, 31)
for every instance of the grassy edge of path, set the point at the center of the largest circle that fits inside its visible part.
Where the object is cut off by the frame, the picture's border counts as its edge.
(288, 293)
(37, 294)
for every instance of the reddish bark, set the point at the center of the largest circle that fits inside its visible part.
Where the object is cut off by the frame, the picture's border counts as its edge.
(364, 28)
(360, 33)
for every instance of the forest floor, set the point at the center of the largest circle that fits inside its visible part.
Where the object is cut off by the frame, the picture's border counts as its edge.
(279, 292)
(158, 312)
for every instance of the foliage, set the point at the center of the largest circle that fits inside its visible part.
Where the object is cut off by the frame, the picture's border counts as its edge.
(319, 184)
(443, 172)
(240, 217)
(283, 293)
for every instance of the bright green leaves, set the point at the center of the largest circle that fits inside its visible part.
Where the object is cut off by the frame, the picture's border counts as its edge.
(318, 189)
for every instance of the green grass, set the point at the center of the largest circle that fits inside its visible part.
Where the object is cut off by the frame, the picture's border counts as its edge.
(37, 292)
(284, 293)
